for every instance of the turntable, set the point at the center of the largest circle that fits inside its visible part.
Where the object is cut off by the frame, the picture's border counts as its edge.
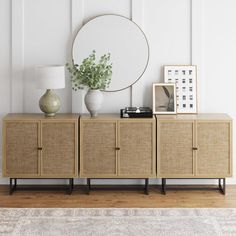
(136, 112)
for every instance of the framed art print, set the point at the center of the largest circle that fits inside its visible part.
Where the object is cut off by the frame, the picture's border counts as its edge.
(164, 98)
(185, 78)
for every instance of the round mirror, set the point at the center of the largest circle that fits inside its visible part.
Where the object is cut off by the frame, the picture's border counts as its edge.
(120, 37)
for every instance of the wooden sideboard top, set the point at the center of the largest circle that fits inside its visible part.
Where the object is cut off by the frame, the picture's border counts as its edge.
(110, 116)
(40, 116)
(199, 116)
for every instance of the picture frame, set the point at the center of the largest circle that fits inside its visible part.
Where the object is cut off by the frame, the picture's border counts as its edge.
(164, 98)
(185, 78)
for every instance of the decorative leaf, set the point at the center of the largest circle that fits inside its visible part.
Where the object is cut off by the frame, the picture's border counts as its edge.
(91, 74)
(166, 91)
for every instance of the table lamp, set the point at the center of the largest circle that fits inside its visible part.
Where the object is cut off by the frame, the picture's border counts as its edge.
(49, 78)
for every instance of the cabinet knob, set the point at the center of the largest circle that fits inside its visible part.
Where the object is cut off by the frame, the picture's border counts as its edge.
(40, 148)
(195, 148)
(117, 148)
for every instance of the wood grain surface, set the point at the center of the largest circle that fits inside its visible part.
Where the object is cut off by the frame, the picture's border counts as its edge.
(132, 198)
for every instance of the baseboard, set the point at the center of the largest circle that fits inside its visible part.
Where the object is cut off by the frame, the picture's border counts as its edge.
(5, 181)
(101, 186)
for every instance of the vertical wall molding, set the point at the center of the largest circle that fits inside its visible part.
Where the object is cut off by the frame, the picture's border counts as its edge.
(196, 32)
(137, 12)
(137, 17)
(17, 55)
(77, 14)
(77, 19)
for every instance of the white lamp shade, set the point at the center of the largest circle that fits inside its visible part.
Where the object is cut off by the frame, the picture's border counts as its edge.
(50, 77)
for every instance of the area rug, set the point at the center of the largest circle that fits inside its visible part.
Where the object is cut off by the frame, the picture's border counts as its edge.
(114, 222)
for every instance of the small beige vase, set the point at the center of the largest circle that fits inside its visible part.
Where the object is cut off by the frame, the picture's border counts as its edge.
(49, 103)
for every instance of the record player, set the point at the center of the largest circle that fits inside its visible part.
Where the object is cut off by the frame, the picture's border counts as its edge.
(136, 112)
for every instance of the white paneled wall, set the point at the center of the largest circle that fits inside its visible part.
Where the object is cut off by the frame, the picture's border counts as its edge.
(179, 32)
(46, 41)
(167, 26)
(5, 62)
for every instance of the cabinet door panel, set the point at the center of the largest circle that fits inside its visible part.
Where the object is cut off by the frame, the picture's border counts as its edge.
(213, 156)
(136, 155)
(21, 149)
(175, 149)
(59, 143)
(98, 154)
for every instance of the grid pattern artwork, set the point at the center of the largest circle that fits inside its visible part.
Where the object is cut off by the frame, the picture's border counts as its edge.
(185, 78)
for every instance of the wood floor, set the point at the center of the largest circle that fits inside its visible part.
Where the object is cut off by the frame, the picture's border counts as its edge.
(132, 198)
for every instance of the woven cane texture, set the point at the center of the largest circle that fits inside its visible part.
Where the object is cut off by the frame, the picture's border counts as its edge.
(58, 142)
(21, 148)
(176, 143)
(136, 148)
(213, 155)
(98, 143)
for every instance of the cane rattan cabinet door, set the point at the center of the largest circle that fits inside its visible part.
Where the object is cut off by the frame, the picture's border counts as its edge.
(136, 158)
(98, 155)
(214, 149)
(20, 149)
(59, 149)
(175, 149)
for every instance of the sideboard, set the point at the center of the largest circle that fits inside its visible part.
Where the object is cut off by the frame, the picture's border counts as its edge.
(194, 146)
(69, 146)
(39, 147)
(111, 147)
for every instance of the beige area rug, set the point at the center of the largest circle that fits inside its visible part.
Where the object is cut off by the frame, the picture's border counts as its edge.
(114, 222)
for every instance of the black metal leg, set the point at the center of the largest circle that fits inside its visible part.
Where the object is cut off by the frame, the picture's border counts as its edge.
(219, 184)
(224, 184)
(15, 184)
(72, 184)
(88, 185)
(222, 187)
(163, 186)
(12, 187)
(147, 186)
(70, 188)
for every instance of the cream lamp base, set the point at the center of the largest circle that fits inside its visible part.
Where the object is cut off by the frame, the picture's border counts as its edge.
(49, 103)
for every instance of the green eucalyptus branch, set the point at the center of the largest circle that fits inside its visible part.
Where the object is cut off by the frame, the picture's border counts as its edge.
(91, 74)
